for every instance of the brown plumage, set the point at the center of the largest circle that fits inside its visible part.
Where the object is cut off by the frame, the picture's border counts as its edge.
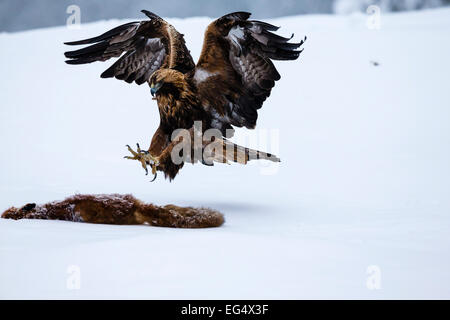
(232, 78)
(117, 209)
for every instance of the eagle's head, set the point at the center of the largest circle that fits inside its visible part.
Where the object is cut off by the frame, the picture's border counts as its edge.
(167, 81)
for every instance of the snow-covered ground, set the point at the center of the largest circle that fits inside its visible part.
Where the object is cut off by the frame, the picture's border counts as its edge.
(361, 195)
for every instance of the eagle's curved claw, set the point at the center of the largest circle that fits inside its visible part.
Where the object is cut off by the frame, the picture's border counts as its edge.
(145, 158)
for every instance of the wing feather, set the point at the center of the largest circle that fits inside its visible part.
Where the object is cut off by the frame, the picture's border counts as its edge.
(126, 28)
(238, 52)
(143, 48)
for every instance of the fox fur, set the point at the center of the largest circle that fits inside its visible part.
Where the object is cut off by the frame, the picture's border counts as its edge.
(117, 209)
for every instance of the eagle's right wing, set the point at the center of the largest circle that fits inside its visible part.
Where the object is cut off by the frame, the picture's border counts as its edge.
(148, 46)
(235, 73)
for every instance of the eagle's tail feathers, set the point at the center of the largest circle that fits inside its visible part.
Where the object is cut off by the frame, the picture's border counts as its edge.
(231, 152)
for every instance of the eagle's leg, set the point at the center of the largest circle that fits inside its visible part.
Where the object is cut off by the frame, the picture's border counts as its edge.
(145, 158)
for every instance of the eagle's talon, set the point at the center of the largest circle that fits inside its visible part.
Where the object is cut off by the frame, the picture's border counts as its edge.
(145, 158)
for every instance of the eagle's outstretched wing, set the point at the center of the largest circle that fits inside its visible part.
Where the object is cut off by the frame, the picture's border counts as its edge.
(148, 46)
(235, 73)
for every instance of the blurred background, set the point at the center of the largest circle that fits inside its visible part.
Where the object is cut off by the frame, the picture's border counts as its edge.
(18, 15)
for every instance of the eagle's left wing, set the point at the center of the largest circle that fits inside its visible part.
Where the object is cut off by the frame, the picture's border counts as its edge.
(143, 47)
(235, 74)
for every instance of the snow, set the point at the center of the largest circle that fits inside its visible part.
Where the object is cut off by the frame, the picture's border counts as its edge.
(349, 6)
(363, 184)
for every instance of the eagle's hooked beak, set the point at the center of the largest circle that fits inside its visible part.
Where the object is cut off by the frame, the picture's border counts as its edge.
(154, 88)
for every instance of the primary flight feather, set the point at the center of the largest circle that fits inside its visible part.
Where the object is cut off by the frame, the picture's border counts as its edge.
(232, 78)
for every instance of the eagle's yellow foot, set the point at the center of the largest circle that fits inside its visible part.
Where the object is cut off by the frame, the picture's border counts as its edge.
(145, 158)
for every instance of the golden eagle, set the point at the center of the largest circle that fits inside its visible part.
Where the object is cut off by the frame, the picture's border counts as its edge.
(232, 78)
